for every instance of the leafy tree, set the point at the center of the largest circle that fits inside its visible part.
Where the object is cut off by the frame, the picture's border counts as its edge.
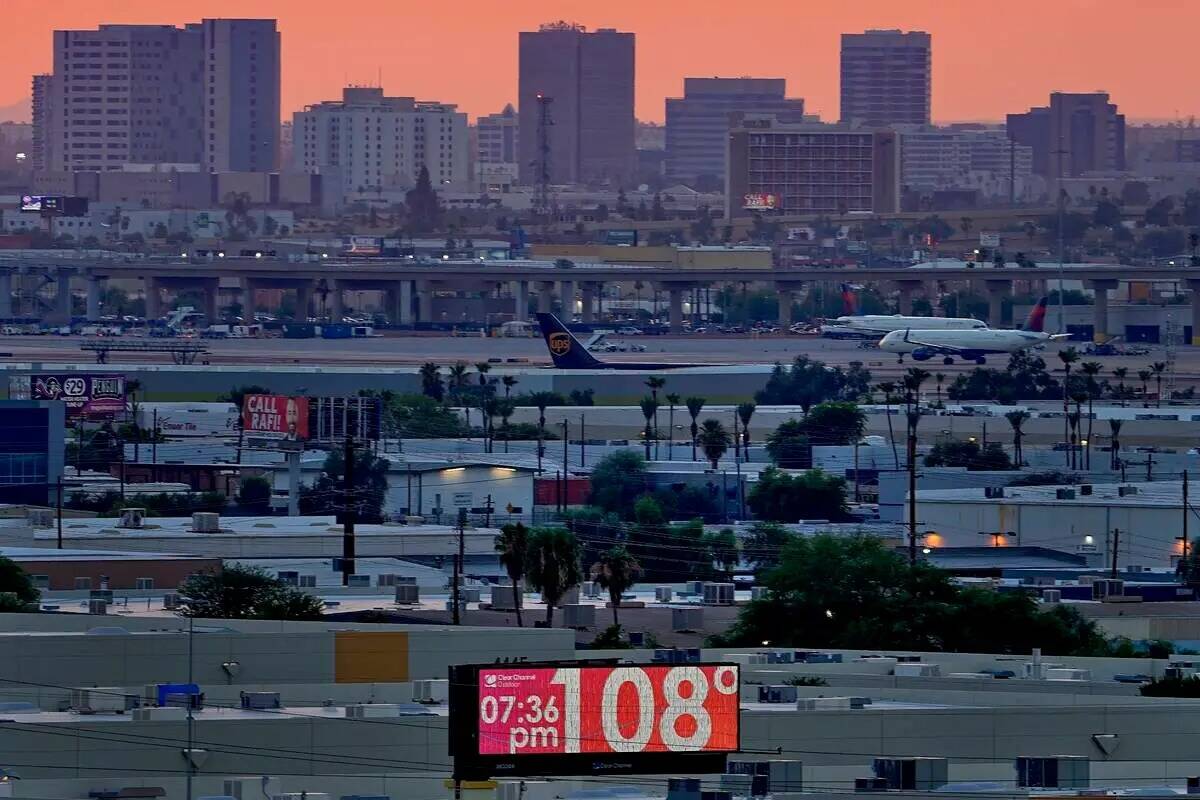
(424, 207)
(16, 587)
(616, 571)
(807, 382)
(1165, 242)
(814, 494)
(714, 440)
(512, 545)
(855, 593)
(238, 592)
(835, 423)
(1107, 214)
(702, 228)
(553, 566)
(254, 493)
(618, 479)
(1074, 226)
(764, 543)
(968, 454)
(789, 446)
(1135, 193)
(326, 495)
(1160, 213)
(237, 395)
(419, 416)
(431, 381)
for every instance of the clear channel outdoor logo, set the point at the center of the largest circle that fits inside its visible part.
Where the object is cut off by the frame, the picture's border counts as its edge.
(498, 679)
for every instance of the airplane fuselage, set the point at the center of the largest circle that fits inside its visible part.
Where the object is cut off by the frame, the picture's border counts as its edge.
(872, 325)
(970, 345)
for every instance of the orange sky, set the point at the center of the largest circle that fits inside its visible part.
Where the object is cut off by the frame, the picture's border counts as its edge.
(988, 58)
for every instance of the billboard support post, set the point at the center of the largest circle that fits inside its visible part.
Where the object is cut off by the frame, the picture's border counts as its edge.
(293, 462)
(348, 515)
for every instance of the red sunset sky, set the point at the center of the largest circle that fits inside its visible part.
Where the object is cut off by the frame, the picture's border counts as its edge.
(989, 57)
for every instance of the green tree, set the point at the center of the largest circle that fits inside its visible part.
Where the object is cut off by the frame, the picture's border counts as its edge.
(763, 544)
(553, 566)
(969, 454)
(327, 494)
(1017, 420)
(649, 408)
(694, 406)
(835, 423)
(616, 571)
(1144, 377)
(814, 494)
(745, 412)
(1107, 214)
(702, 227)
(431, 381)
(512, 545)
(788, 446)
(238, 592)
(17, 591)
(254, 493)
(617, 480)
(714, 440)
(1160, 213)
(424, 207)
(237, 395)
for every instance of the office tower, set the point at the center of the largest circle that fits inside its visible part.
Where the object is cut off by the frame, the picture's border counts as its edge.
(496, 147)
(698, 123)
(241, 103)
(378, 142)
(886, 77)
(1076, 133)
(807, 168)
(42, 94)
(589, 78)
(204, 94)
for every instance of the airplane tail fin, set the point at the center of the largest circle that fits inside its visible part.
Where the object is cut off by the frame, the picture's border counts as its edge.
(1037, 317)
(565, 350)
(849, 300)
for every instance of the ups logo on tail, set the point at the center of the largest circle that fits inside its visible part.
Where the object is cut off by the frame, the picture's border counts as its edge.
(560, 343)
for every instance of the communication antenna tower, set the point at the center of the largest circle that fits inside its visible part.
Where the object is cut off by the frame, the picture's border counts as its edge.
(1172, 346)
(542, 199)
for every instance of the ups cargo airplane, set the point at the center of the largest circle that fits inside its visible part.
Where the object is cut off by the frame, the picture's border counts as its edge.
(568, 353)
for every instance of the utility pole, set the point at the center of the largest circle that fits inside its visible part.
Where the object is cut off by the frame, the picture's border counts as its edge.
(1183, 537)
(737, 439)
(582, 444)
(58, 502)
(566, 442)
(912, 493)
(1116, 549)
(1062, 319)
(349, 513)
(456, 594)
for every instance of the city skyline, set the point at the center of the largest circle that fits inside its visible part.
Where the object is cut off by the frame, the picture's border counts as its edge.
(1075, 46)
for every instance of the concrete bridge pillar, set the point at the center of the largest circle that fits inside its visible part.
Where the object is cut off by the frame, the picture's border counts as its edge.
(566, 298)
(996, 292)
(334, 304)
(1194, 285)
(425, 301)
(211, 288)
(1100, 309)
(93, 299)
(60, 314)
(545, 297)
(304, 293)
(787, 297)
(588, 294)
(6, 305)
(404, 304)
(675, 306)
(906, 289)
(153, 293)
(520, 300)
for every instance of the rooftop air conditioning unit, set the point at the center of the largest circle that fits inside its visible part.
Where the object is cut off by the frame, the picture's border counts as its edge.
(1085, 490)
(101, 699)
(870, 785)
(385, 579)
(912, 774)
(307, 582)
(289, 577)
(369, 710)
(777, 694)
(993, 492)
(717, 594)
(260, 701)
(687, 619)
(206, 522)
(743, 784)
(1064, 494)
(1126, 491)
(359, 581)
(1051, 595)
(767, 777)
(83, 583)
(1105, 588)
(759, 593)
(1067, 674)
(40, 517)
(171, 600)
(407, 594)
(590, 589)
(470, 595)
(683, 789)
(152, 714)
(504, 598)
(431, 691)
(97, 606)
(132, 517)
(1053, 772)
(663, 594)
(579, 615)
(917, 670)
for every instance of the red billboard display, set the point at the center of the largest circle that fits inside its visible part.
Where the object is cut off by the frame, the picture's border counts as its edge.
(569, 719)
(275, 416)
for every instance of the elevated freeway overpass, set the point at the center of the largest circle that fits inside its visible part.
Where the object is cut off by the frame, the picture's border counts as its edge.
(410, 284)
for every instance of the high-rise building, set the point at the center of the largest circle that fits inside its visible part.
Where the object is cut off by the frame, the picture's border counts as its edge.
(589, 79)
(886, 77)
(1076, 133)
(377, 142)
(241, 102)
(698, 123)
(807, 168)
(496, 148)
(204, 94)
(42, 94)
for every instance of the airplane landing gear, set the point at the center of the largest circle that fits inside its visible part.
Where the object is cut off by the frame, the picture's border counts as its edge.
(948, 361)
(981, 361)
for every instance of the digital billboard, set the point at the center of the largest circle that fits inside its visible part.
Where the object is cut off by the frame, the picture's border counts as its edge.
(586, 718)
(275, 416)
(54, 205)
(758, 201)
(85, 396)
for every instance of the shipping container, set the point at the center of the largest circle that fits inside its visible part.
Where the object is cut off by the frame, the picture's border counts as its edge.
(299, 330)
(336, 330)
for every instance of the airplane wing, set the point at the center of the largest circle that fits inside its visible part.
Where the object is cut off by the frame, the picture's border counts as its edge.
(1058, 337)
(947, 349)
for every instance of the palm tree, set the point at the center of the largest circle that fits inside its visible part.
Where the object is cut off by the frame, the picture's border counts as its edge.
(1067, 357)
(133, 388)
(1114, 428)
(485, 390)
(694, 406)
(1090, 369)
(509, 382)
(1120, 373)
(489, 409)
(672, 401)
(1016, 419)
(553, 567)
(542, 401)
(504, 410)
(616, 571)
(940, 378)
(649, 411)
(714, 440)
(654, 383)
(1075, 417)
(1144, 377)
(1158, 368)
(912, 380)
(888, 388)
(745, 411)
(512, 544)
(457, 378)
(431, 381)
